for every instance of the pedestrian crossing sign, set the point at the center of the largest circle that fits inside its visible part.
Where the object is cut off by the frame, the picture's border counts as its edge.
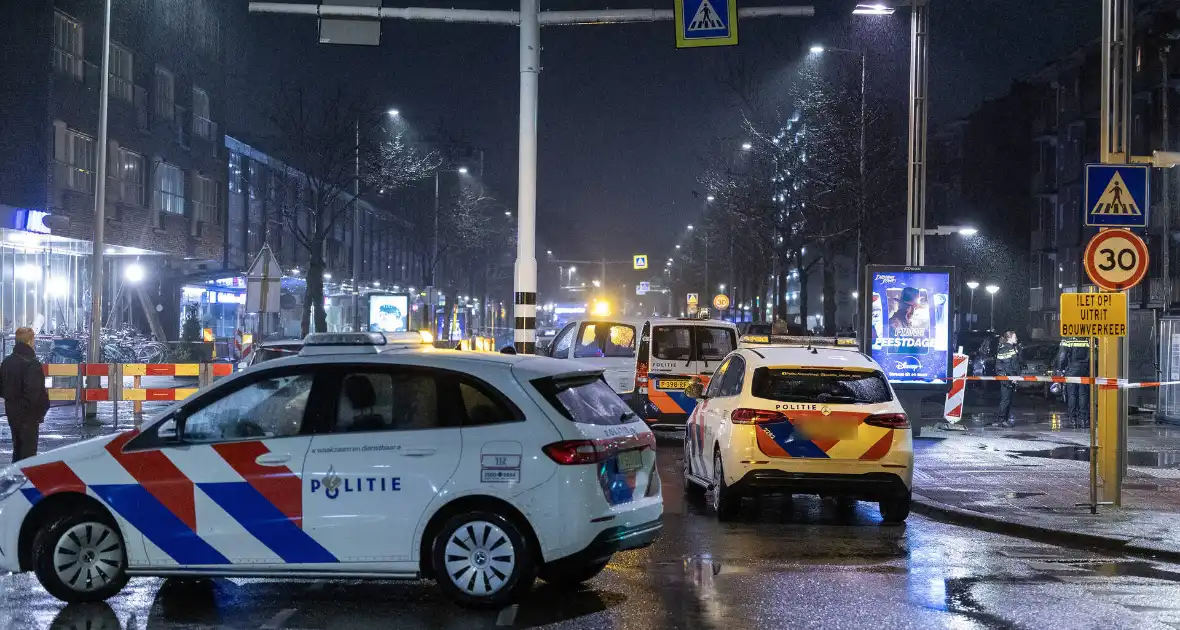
(706, 23)
(1117, 195)
(639, 261)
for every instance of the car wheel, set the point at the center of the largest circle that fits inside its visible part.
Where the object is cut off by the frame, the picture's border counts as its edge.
(565, 576)
(725, 501)
(483, 560)
(895, 509)
(81, 558)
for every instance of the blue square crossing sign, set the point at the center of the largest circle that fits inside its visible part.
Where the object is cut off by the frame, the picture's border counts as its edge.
(1117, 195)
(706, 23)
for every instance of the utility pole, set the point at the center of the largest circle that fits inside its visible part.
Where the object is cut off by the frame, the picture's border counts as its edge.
(97, 258)
(529, 20)
(915, 250)
(1108, 426)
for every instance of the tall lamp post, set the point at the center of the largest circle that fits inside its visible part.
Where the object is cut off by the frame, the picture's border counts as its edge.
(356, 225)
(973, 285)
(819, 50)
(991, 319)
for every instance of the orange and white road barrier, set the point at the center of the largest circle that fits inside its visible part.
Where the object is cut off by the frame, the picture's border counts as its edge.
(953, 410)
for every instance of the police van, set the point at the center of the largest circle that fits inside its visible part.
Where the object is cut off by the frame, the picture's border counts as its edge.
(649, 361)
(481, 471)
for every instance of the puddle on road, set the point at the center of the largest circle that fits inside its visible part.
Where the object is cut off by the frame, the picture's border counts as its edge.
(1151, 459)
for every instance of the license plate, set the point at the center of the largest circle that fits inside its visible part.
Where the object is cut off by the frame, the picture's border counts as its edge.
(673, 384)
(828, 431)
(630, 461)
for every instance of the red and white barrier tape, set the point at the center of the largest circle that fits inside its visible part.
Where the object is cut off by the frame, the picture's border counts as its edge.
(1109, 383)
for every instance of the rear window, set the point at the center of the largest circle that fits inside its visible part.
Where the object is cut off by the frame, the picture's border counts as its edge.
(605, 340)
(585, 400)
(821, 386)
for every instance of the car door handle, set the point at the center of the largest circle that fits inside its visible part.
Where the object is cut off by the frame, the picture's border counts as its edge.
(272, 459)
(419, 452)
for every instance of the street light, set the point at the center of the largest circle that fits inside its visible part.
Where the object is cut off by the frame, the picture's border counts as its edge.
(746, 146)
(710, 198)
(968, 231)
(462, 170)
(973, 285)
(816, 49)
(690, 226)
(677, 247)
(134, 273)
(873, 9)
(393, 113)
(991, 318)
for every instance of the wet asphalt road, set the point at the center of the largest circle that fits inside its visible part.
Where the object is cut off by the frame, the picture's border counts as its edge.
(799, 564)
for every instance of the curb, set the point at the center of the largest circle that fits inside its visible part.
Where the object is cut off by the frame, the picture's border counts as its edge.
(1065, 538)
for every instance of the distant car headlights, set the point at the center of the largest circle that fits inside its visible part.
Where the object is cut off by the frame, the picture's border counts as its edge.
(11, 480)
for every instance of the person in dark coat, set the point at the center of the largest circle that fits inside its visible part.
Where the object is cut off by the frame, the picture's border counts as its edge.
(1007, 364)
(1073, 359)
(25, 398)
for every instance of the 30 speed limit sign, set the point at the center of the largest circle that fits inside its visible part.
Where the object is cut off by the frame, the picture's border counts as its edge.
(1116, 259)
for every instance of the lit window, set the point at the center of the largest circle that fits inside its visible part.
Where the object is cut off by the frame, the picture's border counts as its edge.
(131, 172)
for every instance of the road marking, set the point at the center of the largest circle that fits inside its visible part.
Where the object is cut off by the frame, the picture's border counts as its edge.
(279, 619)
(507, 616)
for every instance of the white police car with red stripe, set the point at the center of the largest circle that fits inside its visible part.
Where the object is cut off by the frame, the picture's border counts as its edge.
(482, 471)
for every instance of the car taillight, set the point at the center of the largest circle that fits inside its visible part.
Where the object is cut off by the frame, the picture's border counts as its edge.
(577, 452)
(888, 421)
(641, 371)
(572, 452)
(756, 416)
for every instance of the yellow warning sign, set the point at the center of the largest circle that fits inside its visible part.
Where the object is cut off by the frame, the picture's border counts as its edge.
(1116, 199)
(1094, 314)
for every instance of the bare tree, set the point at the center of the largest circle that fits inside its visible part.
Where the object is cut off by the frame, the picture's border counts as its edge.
(321, 136)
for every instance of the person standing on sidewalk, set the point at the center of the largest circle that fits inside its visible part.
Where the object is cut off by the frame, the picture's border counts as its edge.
(26, 400)
(1074, 360)
(1007, 364)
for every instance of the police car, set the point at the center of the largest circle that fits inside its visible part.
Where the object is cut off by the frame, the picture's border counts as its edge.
(479, 470)
(799, 416)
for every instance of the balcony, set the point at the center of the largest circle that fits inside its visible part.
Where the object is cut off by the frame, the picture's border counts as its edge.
(204, 128)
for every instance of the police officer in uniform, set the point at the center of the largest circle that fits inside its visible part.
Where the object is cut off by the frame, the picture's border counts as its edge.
(1073, 359)
(1007, 364)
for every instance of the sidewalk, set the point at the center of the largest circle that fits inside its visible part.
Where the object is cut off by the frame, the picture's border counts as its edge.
(1028, 480)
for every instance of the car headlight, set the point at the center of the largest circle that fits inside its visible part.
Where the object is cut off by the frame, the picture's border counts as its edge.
(11, 480)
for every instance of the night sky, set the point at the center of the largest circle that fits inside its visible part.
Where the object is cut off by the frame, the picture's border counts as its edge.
(626, 119)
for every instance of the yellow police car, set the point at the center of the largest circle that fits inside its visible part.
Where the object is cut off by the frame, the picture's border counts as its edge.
(797, 415)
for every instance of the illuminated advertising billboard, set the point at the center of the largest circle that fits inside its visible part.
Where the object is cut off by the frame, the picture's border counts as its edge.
(389, 313)
(909, 321)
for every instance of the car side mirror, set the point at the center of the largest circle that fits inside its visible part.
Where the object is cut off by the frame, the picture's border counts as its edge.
(695, 391)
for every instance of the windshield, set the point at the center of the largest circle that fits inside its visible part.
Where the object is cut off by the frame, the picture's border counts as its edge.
(585, 400)
(821, 386)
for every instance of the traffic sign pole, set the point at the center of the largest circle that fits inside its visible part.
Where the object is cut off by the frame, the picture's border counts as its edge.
(1115, 148)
